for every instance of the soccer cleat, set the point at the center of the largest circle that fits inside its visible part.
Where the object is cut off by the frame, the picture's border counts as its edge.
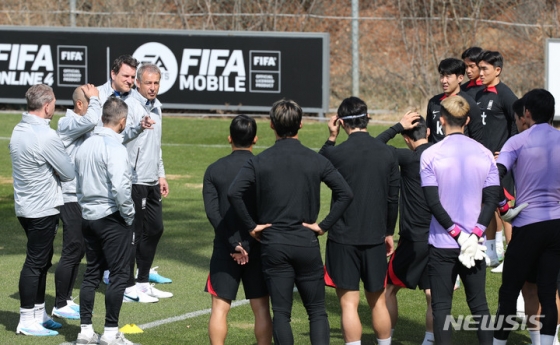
(140, 297)
(35, 329)
(70, 303)
(87, 340)
(498, 269)
(51, 324)
(66, 312)
(155, 277)
(153, 292)
(119, 340)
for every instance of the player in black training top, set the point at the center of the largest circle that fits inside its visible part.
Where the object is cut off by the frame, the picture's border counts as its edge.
(360, 241)
(451, 74)
(236, 255)
(470, 57)
(287, 180)
(408, 264)
(496, 109)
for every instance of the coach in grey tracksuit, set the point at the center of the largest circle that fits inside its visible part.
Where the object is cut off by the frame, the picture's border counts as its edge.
(104, 194)
(73, 129)
(39, 163)
(121, 82)
(148, 173)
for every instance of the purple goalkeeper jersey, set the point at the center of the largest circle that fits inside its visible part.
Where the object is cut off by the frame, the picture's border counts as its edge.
(460, 167)
(535, 159)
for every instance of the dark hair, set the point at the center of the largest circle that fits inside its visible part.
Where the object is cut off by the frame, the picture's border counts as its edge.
(472, 53)
(124, 59)
(455, 110)
(493, 58)
(540, 103)
(418, 132)
(286, 116)
(452, 66)
(518, 106)
(353, 106)
(114, 109)
(242, 131)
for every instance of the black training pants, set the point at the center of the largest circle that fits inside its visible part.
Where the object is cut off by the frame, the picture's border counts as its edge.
(443, 267)
(40, 234)
(533, 248)
(108, 244)
(284, 265)
(73, 250)
(148, 228)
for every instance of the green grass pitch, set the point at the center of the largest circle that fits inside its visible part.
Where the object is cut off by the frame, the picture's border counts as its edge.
(189, 146)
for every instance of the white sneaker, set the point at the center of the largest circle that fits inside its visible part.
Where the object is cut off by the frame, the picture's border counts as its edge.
(151, 290)
(498, 269)
(118, 340)
(139, 296)
(34, 328)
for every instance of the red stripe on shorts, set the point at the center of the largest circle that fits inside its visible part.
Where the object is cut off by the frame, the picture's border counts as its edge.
(328, 280)
(209, 286)
(391, 273)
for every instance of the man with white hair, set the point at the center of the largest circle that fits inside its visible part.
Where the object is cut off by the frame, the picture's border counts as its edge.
(148, 184)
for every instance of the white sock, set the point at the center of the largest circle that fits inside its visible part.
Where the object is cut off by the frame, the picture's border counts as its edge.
(556, 342)
(535, 337)
(491, 248)
(500, 237)
(40, 313)
(110, 332)
(26, 316)
(384, 341)
(546, 339)
(87, 329)
(428, 338)
(359, 342)
(498, 342)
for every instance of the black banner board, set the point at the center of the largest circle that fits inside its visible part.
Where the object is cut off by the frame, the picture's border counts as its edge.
(212, 70)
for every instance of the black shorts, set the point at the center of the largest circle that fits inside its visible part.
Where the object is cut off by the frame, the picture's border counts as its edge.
(408, 265)
(347, 264)
(226, 274)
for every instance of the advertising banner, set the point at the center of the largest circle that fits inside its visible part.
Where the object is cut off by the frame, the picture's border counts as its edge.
(210, 70)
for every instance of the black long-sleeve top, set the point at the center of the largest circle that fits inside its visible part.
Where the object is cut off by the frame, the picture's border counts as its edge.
(415, 215)
(287, 180)
(228, 228)
(496, 108)
(372, 171)
(474, 128)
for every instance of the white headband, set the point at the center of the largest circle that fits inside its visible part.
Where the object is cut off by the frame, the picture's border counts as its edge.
(352, 116)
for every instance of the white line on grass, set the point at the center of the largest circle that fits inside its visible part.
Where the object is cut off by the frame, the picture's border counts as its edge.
(178, 318)
(187, 316)
(181, 317)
